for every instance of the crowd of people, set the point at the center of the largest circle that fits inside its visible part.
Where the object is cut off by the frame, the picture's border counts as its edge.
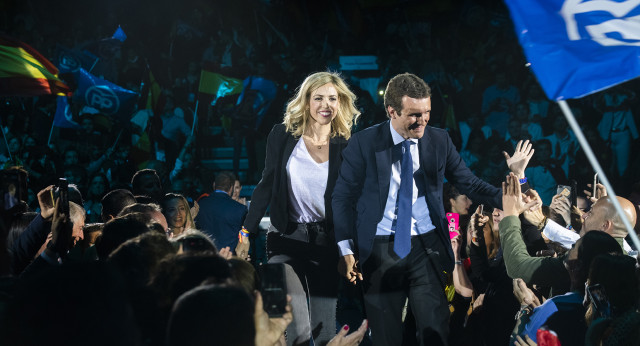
(162, 250)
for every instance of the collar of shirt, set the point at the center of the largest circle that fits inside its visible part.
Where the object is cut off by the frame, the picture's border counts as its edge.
(397, 138)
(225, 192)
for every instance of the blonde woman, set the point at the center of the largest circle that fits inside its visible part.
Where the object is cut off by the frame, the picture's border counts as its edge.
(176, 210)
(301, 168)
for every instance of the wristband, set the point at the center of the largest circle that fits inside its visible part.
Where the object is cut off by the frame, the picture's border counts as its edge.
(458, 262)
(523, 180)
(242, 234)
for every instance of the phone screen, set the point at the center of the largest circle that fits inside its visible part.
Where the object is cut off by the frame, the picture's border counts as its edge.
(564, 191)
(274, 289)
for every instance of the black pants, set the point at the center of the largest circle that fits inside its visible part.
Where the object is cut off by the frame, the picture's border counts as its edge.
(390, 280)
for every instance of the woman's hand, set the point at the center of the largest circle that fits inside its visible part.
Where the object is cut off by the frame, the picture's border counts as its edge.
(355, 338)
(520, 159)
(478, 220)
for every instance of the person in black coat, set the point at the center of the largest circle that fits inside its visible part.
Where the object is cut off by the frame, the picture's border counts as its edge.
(301, 168)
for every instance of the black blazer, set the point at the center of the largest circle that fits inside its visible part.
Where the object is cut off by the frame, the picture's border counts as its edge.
(273, 189)
(362, 187)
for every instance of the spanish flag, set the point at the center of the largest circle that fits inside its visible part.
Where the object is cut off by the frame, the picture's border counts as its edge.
(25, 72)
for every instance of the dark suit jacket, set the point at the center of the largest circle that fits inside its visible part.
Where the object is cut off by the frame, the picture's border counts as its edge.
(221, 218)
(362, 188)
(273, 190)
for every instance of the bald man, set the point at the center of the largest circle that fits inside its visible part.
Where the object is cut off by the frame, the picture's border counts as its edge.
(603, 216)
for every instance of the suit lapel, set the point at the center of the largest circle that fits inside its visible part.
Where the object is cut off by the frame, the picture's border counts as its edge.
(428, 157)
(383, 151)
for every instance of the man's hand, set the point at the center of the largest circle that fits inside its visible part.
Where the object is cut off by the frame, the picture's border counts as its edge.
(512, 202)
(524, 294)
(270, 330)
(242, 249)
(601, 191)
(348, 267)
(45, 200)
(520, 159)
(353, 339)
(561, 206)
(534, 215)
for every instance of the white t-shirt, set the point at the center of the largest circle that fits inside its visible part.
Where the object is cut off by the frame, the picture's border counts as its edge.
(307, 181)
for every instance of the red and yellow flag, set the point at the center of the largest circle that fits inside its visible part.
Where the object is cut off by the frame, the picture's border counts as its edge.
(25, 72)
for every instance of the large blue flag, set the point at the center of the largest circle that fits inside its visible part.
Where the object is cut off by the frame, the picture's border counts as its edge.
(578, 47)
(64, 117)
(104, 96)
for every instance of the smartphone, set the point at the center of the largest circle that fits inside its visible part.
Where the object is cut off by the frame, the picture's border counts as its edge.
(63, 193)
(599, 300)
(573, 197)
(453, 219)
(595, 182)
(274, 288)
(481, 206)
(564, 191)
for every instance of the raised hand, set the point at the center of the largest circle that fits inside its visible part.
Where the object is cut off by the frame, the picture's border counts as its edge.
(512, 202)
(524, 294)
(520, 159)
(534, 215)
(478, 220)
(561, 206)
(45, 200)
(601, 191)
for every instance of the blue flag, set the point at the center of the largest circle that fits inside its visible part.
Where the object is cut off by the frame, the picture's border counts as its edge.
(104, 96)
(63, 117)
(119, 34)
(578, 47)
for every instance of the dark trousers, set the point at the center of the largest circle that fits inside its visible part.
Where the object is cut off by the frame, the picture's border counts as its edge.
(313, 256)
(390, 280)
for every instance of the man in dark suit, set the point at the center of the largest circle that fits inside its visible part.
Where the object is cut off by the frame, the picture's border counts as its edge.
(220, 216)
(394, 223)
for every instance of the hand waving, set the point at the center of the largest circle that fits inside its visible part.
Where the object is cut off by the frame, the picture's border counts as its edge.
(520, 159)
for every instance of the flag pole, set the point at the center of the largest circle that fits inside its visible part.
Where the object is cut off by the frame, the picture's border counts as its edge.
(113, 147)
(195, 118)
(6, 143)
(51, 131)
(596, 166)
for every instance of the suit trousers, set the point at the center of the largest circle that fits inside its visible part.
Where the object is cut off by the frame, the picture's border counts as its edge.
(389, 281)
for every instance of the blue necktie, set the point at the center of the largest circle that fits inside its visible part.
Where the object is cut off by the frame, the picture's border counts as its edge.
(402, 243)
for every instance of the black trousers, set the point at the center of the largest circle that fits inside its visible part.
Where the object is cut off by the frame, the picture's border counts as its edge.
(389, 280)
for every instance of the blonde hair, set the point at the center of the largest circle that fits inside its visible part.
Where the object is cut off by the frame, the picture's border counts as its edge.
(297, 114)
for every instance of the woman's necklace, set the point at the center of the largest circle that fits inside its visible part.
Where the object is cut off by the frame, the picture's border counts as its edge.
(316, 144)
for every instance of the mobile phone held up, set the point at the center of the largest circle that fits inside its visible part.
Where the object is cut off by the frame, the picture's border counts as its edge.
(453, 220)
(63, 193)
(273, 288)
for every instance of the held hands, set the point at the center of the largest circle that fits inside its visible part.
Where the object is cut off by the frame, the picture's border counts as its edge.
(520, 159)
(242, 249)
(270, 330)
(348, 267)
(512, 201)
